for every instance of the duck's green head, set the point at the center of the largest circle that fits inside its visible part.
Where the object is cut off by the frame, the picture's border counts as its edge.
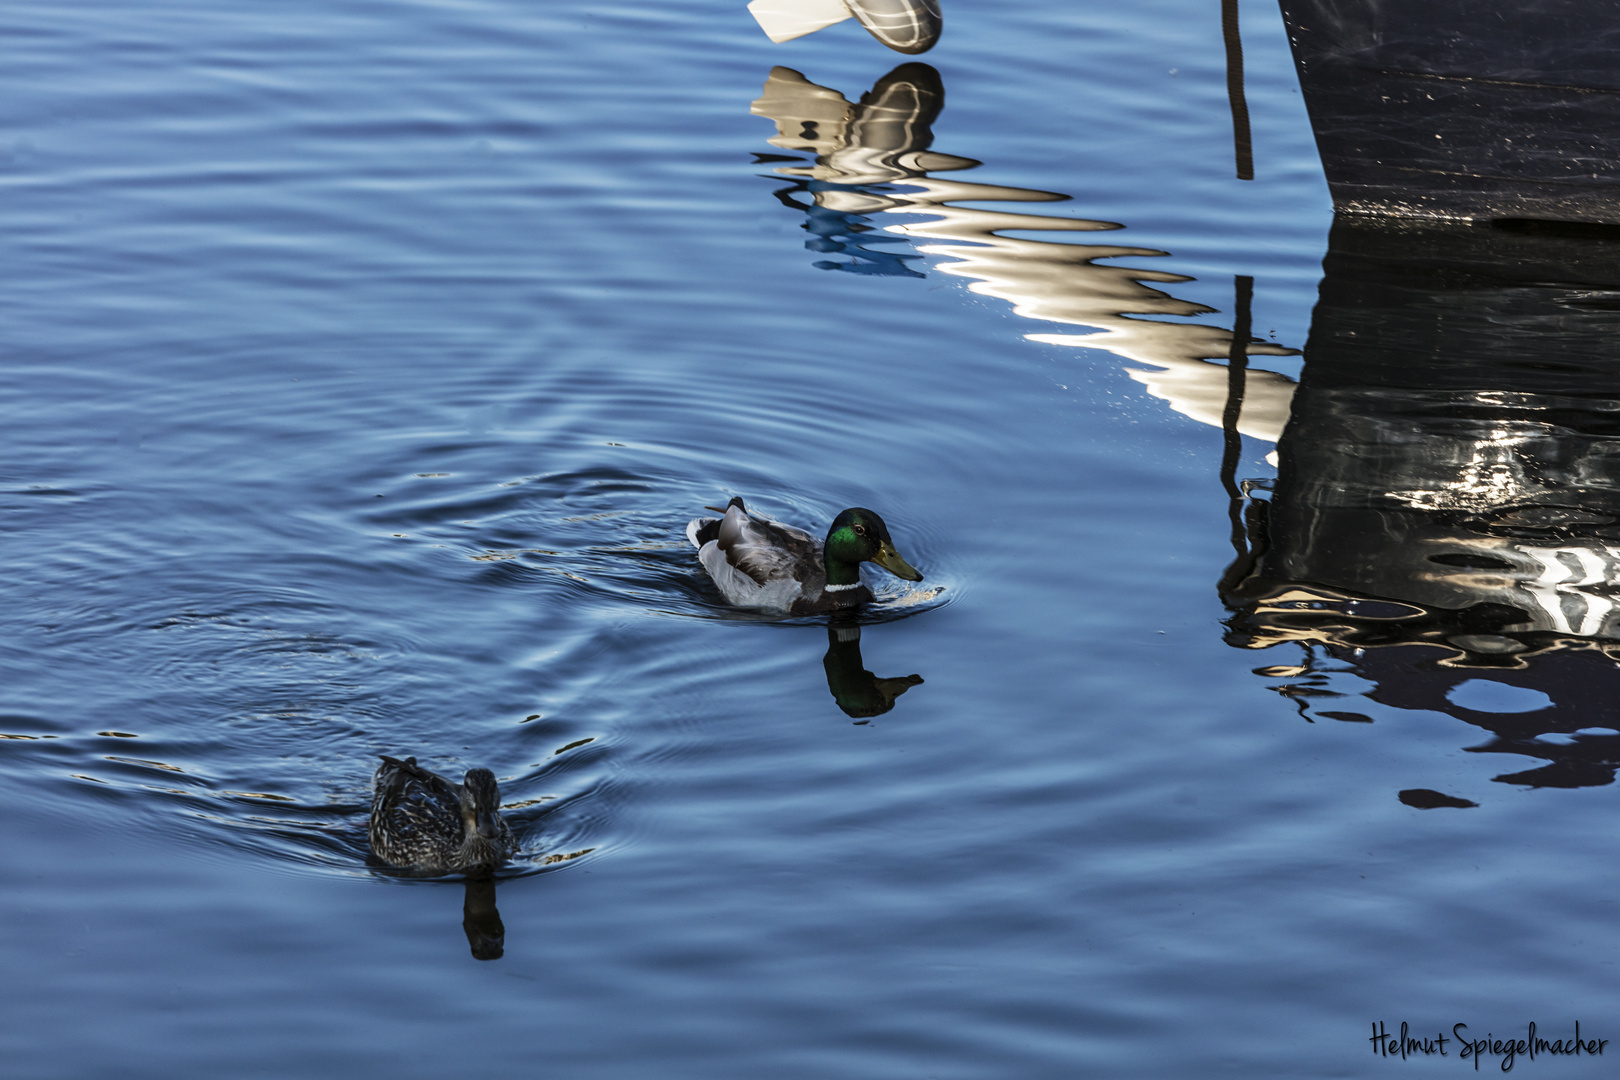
(858, 535)
(480, 803)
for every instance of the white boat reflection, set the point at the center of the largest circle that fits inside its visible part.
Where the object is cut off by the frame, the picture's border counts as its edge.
(873, 158)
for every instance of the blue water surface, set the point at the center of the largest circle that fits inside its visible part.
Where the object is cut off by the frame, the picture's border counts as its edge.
(364, 364)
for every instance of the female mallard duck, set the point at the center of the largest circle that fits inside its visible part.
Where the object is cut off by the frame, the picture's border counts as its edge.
(422, 821)
(775, 567)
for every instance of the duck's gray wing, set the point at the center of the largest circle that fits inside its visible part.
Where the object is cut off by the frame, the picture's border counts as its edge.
(756, 563)
(766, 550)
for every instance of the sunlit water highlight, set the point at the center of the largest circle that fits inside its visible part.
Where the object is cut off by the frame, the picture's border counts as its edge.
(365, 365)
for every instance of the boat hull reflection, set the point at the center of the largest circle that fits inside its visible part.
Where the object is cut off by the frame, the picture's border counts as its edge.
(1446, 515)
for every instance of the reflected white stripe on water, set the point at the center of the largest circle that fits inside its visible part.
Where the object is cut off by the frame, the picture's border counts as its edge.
(1495, 477)
(1560, 587)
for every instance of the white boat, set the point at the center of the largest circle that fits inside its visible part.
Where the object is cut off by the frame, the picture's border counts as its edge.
(908, 26)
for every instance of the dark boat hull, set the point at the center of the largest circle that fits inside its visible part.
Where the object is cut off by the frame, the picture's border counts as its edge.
(1457, 109)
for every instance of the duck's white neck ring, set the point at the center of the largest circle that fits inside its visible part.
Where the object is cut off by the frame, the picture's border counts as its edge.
(841, 588)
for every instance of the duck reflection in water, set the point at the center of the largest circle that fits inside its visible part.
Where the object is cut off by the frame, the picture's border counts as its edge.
(858, 692)
(486, 934)
(1446, 518)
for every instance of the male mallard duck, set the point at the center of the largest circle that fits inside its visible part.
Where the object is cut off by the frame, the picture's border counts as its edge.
(422, 821)
(775, 567)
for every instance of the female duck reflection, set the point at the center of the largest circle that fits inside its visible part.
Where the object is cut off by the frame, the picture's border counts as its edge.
(486, 934)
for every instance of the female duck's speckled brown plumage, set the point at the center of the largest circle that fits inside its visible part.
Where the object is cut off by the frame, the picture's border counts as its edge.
(421, 821)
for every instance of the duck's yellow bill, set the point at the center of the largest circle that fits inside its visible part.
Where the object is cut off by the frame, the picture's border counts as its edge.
(890, 560)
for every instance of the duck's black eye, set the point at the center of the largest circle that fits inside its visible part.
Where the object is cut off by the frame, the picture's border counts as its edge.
(860, 530)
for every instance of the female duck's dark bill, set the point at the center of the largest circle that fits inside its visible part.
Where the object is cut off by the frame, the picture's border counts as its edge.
(487, 828)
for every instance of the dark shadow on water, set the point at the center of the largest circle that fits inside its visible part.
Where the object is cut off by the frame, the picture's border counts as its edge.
(1446, 518)
(1428, 799)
